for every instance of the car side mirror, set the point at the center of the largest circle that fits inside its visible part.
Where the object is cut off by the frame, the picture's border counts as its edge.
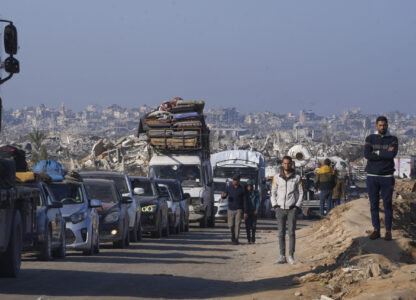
(10, 39)
(186, 195)
(126, 200)
(138, 191)
(96, 203)
(55, 204)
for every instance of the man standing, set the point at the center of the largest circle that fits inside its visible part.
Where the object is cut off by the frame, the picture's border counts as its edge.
(380, 150)
(325, 182)
(339, 189)
(286, 198)
(235, 193)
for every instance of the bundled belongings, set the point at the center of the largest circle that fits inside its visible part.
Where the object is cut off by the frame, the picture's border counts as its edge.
(22, 177)
(16, 154)
(176, 125)
(53, 168)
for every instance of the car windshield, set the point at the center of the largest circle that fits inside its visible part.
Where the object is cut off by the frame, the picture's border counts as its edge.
(102, 192)
(219, 187)
(120, 181)
(67, 193)
(188, 175)
(147, 186)
(175, 190)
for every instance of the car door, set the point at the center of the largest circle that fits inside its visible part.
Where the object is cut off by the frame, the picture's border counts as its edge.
(54, 217)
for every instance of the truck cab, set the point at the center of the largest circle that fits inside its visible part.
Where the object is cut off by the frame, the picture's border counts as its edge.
(195, 175)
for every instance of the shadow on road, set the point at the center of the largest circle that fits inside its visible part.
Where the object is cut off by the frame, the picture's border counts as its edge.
(56, 283)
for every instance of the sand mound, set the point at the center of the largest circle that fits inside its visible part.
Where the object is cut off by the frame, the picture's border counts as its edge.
(348, 263)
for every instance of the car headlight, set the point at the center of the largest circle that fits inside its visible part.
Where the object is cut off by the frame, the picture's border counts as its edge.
(78, 217)
(113, 217)
(149, 208)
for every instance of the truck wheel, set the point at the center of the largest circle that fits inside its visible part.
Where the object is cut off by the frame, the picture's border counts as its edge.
(134, 232)
(46, 250)
(204, 221)
(61, 251)
(10, 260)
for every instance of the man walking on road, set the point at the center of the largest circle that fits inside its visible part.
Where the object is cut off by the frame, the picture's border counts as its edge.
(235, 193)
(379, 150)
(251, 210)
(325, 182)
(286, 198)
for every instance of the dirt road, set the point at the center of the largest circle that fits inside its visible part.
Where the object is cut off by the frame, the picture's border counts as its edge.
(198, 264)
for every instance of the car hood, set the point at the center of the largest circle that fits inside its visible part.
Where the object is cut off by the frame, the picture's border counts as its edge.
(69, 209)
(107, 207)
(144, 201)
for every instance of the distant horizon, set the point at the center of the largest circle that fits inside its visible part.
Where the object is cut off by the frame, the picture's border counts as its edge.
(5, 107)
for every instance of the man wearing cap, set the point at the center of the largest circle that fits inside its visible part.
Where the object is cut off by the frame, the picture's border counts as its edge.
(236, 200)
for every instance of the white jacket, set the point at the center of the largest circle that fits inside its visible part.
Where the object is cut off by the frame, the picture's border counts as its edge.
(287, 192)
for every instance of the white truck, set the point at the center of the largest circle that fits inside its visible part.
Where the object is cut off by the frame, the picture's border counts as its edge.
(249, 164)
(194, 172)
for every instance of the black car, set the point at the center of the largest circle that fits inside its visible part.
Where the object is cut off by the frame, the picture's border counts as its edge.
(50, 225)
(114, 218)
(181, 198)
(154, 206)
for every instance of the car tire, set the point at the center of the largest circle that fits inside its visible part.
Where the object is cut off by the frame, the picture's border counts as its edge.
(90, 251)
(97, 244)
(133, 233)
(182, 224)
(61, 251)
(140, 232)
(211, 222)
(46, 247)
(158, 233)
(10, 261)
(166, 231)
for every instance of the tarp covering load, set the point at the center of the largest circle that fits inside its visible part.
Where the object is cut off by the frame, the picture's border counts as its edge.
(53, 168)
(176, 125)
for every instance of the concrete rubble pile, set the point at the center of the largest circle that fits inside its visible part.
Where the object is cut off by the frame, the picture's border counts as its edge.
(129, 154)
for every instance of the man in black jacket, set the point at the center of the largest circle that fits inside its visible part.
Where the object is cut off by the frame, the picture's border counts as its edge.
(236, 200)
(380, 150)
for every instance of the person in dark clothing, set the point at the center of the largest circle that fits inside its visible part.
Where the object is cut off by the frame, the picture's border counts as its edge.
(251, 209)
(379, 150)
(235, 193)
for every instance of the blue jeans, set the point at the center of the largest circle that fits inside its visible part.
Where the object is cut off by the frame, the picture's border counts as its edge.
(336, 202)
(381, 185)
(325, 196)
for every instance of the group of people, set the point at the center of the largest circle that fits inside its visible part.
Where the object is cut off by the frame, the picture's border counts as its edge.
(287, 193)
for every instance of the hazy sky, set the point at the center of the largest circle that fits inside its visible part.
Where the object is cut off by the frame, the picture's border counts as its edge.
(256, 55)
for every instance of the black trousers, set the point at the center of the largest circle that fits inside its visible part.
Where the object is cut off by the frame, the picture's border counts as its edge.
(251, 223)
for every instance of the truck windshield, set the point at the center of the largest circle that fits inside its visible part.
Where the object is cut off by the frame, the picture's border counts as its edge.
(228, 172)
(219, 187)
(188, 175)
(67, 193)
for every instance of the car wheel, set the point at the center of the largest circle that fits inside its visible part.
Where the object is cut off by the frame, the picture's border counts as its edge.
(61, 251)
(90, 251)
(10, 260)
(166, 232)
(134, 232)
(97, 244)
(127, 240)
(46, 250)
(140, 232)
(182, 224)
(158, 233)
(211, 222)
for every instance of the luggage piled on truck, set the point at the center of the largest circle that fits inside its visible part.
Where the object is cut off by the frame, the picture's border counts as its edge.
(176, 125)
